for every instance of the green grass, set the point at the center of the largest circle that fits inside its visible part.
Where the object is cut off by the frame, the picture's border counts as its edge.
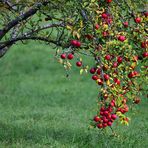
(41, 108)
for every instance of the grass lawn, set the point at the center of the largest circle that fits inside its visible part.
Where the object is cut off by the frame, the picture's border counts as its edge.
(41, 108)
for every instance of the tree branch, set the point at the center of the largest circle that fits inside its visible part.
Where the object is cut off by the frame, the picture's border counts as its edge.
(60, 24)
(20, 18)
(6, 45)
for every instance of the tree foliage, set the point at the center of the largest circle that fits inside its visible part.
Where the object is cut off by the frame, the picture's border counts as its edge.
(112, 32)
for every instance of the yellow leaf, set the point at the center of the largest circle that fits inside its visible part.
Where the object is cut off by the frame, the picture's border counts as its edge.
(69, 27)
(108, 82)
(75, 33)
(118, 114)
(60, 61)
(81, 59)
(81, 71)
(81, 24)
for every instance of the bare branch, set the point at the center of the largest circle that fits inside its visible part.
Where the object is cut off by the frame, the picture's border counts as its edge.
(20, 18)
(60, 24)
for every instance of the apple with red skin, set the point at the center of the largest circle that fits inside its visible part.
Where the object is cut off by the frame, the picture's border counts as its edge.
(100, 82)
(135, 73)
(108, 1)
(92, 70)
(99, 125)
(101, 113)
(78, 44)
(144, 44)
(97, 26)
(104, 125)
(108, 116)
(106, 77)
(79, 63)
(121, 38)
(106, 113)
(104, 15)
(113, 116)
(75, 43)
(146, 14)
(115, 64)
(117, 81)
(125, 24)
(105, 33)
(112, 104)
(102, 109)
(105, 120)
(145, 54)
(119, 59)
(99, 71)
(94, 77)
(97, 119)
(110, 109)
(131, 74)
(70, 56)
(108, 57)
(109, 123)
(63, 56)
(137, 20)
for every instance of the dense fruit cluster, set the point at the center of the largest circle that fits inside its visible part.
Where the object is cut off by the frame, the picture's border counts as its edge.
(119, 48)
(106, 117)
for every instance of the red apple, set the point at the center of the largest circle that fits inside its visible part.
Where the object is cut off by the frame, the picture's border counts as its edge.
(138, 20)
(63, 56)
(104, 125)
(145, 54)
(99, 71)
(125, 24)
(146, 14)
(79, 63)
(75, 43)
(96, 26)
(109, 123)
(100, 125)
(144, 44)
(105, 33)
(97, 119)
(113, 116)
(117, 81)
(108, 57)
(115, 64)
(92, 70)
(94, 77)
(70, 56)
(121, 38)
(106, 77)
(108, 1)
(104, 15)
(119, 59)
(100, 81)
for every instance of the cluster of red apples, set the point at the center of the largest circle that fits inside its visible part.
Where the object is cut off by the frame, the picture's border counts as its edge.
(119, 57)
